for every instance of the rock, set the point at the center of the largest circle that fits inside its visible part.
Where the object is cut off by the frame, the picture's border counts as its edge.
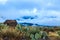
(11, 22)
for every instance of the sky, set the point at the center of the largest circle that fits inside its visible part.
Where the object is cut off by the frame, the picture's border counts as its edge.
(48, 11)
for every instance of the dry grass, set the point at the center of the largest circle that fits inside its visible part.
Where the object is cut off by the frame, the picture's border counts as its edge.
(11, 34)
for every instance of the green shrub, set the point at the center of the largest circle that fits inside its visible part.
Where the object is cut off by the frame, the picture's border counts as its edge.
(37, 35)
(58, 33)
(19, 27)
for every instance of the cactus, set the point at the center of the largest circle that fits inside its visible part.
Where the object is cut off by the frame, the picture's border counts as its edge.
(33, 39)
(31, 36)
(37, 35)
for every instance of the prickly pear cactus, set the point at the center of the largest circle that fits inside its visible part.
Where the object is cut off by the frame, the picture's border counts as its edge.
(31, 36)
(37, 35)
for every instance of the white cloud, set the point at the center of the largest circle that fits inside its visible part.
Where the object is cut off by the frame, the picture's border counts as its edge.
(53, 13)
(43, 14)
(3, 1)
(34, 10)
(28, 12)
(44, 20)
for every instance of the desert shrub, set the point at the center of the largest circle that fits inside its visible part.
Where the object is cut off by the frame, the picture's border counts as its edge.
(3, 26)
(37, 36)
(58, 33)
(18, 27)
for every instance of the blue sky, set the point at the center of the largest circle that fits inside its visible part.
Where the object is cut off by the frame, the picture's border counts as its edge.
(48, 11)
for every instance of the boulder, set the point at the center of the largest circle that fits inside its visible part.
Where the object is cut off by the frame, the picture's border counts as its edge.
(11, 22)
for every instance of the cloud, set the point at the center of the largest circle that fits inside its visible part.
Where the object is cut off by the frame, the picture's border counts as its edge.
(13, 13)
(48, 11)
(3, 2)
(50, 17)
(29, 12)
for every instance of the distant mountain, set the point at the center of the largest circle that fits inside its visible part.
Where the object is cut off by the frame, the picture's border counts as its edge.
(29, 24)
(32, 24)
(26, 24)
